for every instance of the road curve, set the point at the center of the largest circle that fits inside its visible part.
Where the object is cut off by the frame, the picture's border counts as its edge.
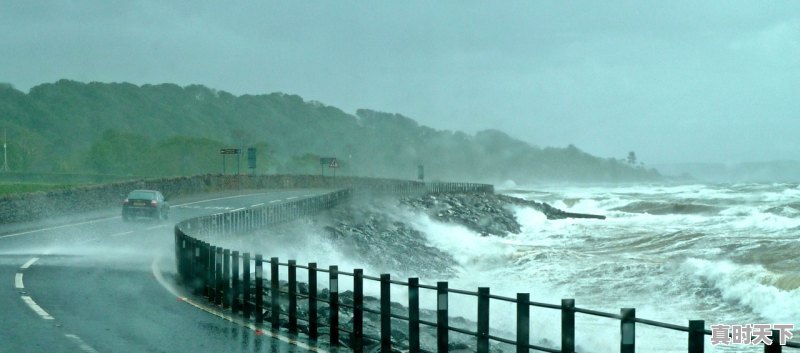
(87, 284)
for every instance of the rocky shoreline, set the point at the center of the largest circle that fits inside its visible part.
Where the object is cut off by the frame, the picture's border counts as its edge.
(366, 231)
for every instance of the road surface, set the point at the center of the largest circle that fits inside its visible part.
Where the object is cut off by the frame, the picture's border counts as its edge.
(93, 283)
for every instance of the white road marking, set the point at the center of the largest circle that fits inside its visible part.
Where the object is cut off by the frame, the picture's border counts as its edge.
(85, 347)
(36, 308)
(212, 310)
(274, 201)
(29, 263)
(19, 285)
(258, 204)
(291, 198)
(219, 198)
(18, 277)
(159, 226)
(120, 234)
(238, 209)
(56, 227)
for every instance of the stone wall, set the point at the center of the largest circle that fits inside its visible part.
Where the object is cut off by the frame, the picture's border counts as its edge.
(39, 205)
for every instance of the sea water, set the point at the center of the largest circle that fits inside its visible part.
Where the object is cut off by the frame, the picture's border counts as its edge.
(726, 254)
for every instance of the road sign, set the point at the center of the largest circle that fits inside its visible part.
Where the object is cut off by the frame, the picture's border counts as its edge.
(326, 160)
(333, 164)
(229, 151)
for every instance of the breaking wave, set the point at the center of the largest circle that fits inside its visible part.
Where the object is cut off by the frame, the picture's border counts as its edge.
(664, 208)
(773, 297)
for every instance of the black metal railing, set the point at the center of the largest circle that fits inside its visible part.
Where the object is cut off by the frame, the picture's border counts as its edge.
(224, 277)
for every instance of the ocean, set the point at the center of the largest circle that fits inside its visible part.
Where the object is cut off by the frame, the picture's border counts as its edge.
(726, 254)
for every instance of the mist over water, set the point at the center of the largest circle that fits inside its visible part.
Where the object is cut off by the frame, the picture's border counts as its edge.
(720, 253)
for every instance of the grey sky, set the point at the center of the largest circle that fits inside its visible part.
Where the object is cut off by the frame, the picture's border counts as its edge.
(673, 81)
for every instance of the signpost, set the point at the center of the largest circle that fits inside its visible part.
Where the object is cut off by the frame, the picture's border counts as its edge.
(5, 151)
(327, 161)
(333, 165)
(226, 151)
(251, 159)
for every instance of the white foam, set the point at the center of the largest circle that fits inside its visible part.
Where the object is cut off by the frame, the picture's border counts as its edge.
(466, 246)
(752, 286)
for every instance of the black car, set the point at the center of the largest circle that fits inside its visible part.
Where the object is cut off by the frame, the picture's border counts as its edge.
(145, 203)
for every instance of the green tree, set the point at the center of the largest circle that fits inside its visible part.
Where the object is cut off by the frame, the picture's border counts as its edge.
(631, 158)
(121, 153)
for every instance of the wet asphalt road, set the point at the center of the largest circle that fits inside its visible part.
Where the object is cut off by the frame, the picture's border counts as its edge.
(87, 284)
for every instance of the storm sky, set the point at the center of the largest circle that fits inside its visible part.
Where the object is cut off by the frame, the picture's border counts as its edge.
(674, 81)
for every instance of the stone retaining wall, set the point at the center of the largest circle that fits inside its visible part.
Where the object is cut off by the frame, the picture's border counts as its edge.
(39, 205)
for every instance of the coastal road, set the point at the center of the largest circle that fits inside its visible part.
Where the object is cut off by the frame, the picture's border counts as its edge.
(93, 283)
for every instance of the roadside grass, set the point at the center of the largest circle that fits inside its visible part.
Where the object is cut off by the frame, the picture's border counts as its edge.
(21, 188)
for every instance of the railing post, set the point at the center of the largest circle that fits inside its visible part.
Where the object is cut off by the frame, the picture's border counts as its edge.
(292, 296)
(483, 320)
(275, 293)
(178, 250)
(218, 291)
(259, 289)
(696, 336)
(199, 275)
(226, 278)
(236, 285)
(312, 301)
(200, 269)
(442, 329)
(386, 314)
(523, 322)
(567, 325)
(358, 311)
(246, 285)
(188, 258)
(775, 347)
(180, 254)
(333, 290)
(413, 315)
(210, 268)
(628, 330)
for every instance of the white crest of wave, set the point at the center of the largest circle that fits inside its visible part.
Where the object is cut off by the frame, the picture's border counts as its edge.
(786, 195)
(490, 262)
(765, 293)
(466, 246)
(749, 218)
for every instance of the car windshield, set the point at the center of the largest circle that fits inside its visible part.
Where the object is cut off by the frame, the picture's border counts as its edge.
(146, 195)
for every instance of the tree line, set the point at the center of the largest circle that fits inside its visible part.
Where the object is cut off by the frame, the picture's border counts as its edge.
(167, 130)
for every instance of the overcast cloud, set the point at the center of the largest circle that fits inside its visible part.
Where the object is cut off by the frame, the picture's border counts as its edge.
(673, 81)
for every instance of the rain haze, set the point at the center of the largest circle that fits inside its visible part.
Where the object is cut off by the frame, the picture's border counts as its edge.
(674, 81)
(606, 155)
